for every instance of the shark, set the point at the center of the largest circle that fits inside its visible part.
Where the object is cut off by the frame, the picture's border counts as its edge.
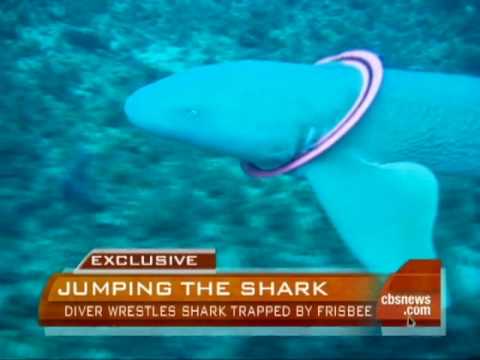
(378, 183)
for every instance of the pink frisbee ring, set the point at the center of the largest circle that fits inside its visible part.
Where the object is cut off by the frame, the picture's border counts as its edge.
(371, 69)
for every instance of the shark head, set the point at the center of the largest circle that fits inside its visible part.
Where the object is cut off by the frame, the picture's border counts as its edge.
(181, 107)
(242, 109)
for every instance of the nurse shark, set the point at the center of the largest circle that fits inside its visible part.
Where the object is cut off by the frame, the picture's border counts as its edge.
(377, 184)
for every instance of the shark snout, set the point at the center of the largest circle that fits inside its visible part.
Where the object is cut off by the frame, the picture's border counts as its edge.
(131, 108)
(151, 111)
(141, 111)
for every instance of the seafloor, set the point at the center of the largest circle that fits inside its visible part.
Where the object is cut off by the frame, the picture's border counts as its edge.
(76, 175)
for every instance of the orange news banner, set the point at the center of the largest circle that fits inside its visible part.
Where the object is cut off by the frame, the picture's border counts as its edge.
(243, 299)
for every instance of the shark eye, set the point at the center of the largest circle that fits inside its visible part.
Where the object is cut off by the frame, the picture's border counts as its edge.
(191, 112)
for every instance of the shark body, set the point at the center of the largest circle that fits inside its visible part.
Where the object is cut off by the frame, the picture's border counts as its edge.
(377, 184)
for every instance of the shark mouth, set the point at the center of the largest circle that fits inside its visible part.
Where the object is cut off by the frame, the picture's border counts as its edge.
(371, 69)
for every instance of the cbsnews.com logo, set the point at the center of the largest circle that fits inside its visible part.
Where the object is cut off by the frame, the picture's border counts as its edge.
(417, 305)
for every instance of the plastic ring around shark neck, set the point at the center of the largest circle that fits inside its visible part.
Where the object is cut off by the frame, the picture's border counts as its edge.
(371, 69)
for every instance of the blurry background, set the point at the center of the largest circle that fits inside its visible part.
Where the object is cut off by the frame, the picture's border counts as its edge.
(76, 175)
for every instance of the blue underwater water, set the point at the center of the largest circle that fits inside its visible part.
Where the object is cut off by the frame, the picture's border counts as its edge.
(77, 175)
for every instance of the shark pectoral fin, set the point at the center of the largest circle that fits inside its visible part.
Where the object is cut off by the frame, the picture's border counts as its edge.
(385, 213)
